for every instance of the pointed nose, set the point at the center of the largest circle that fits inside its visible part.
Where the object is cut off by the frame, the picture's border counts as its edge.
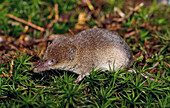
(35, 69)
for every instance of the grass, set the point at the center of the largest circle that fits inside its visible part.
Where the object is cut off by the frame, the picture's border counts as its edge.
(101, 89)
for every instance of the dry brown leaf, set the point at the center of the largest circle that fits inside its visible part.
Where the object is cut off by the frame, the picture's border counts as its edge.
(9, 39)
(138, 6)
(27, 27)
(90, 6)
(81, 21)
(82, 18)
(20, 38)
(51, 15)
(72, 33)
(130, 34)
(88, 3)
(117, 19)
(56, 11)
(116, 9)
(13, 47)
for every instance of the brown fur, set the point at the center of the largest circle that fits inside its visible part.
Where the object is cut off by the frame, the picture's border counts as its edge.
(91, 48)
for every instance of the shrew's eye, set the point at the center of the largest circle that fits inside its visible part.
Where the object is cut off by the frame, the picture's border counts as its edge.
(52, 61)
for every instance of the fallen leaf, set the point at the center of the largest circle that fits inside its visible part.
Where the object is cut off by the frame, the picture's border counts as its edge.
(116, 9)
(51, 14)
(130, 34)
(56, 11)
(13, 47)
(89, 4)
(81, 21)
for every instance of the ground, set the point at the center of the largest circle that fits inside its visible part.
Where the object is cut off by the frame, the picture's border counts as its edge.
(26, 29)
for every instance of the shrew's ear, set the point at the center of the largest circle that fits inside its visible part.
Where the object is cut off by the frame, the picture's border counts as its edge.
(72, 52)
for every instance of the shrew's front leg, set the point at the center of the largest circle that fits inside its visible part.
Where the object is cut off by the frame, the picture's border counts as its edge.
(79, 78)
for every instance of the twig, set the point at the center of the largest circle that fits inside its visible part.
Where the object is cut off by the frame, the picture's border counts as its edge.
(139, 6)
(27, 23)
(119, 12)
(3, 97)
(72, 33)
(132, 10)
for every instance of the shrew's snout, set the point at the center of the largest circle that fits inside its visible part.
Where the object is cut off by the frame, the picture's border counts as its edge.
(35, 69)
(42, 66)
